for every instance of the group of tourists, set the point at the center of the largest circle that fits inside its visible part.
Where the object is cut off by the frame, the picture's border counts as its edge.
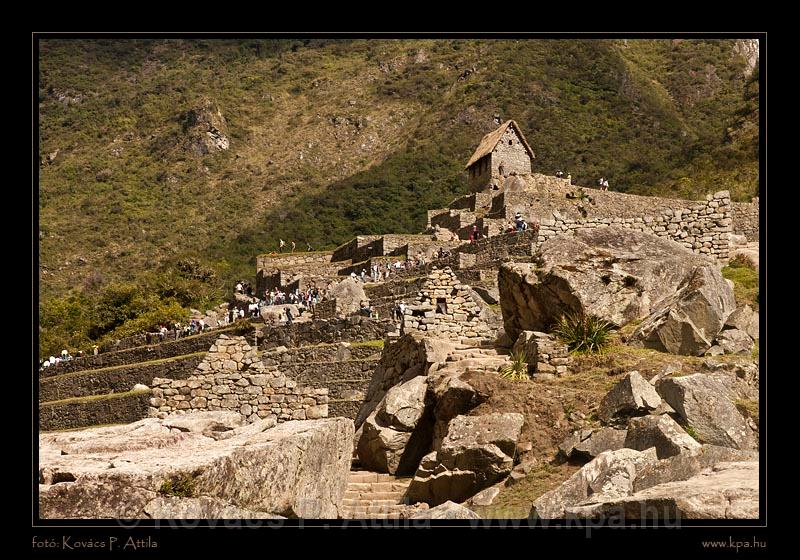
(382, 271)
(603, 184)
(560, 175)
(520, 225)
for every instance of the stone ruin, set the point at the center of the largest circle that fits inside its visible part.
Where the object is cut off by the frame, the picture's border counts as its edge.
(232, 378)
(444, 307)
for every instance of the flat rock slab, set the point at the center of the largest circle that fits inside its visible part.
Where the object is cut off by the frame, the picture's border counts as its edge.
(726, 491)
(297, 469)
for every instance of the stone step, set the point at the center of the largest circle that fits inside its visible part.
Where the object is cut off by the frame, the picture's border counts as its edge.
(362, 476)
(389, 487)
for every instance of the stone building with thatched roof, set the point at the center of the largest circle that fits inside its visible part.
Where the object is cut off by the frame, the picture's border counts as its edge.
(506, 145)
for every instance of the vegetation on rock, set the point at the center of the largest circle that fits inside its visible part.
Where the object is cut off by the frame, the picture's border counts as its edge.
(583, 333)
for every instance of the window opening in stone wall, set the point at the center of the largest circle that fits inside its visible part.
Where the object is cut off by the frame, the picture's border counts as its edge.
(441, 305)
(510, 142)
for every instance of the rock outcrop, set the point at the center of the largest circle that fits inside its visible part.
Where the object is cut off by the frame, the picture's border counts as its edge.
(147, 469)
(704, 403)
(744, 319)
(349, 295)
(660, 432)
(726, 491)
(688, 321)
(206, 129)
(447, 510)
(390, 441)
(610, 474)
(476, 452)
(614, 273)
(588, 444)
(633, 396)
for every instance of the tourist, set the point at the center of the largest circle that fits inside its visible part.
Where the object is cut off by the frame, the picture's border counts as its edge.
(281, 245)
(600, 182)
(95, 349)
(363, 276)
(293, 246)
(569, 178)
(288, 316)
(239, 287)
(605, 185)
(308, 247)
(560, 174)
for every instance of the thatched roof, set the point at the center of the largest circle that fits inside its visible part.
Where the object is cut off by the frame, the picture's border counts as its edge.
(490, 141)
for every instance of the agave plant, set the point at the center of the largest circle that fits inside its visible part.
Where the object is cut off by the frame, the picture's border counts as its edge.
(517, 370)
(583, 333)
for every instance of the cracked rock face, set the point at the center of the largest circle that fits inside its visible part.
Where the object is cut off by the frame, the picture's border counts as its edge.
(614, 273)
(206, 129)
(205, 467)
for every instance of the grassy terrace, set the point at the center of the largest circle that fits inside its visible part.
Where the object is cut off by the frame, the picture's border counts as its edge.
(295, 254)
(90, 398)
(122, 366)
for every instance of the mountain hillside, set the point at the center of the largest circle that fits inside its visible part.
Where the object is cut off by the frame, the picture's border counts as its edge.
(153, 151)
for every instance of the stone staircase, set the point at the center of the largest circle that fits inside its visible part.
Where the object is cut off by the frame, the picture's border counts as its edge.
(372, 495)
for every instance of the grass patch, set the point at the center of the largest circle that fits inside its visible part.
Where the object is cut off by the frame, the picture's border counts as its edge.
(515, 502)
(754, 354)
(745, 284)
(180, 485)
(377, 343)
(692, 432)
(110, 396)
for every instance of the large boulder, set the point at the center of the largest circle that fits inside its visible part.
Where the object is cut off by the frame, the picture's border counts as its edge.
(476, 452)
(725, 491)
(588, 444)
(447, 510)
(349, 295)
(661, 432)
(703, 402)
(744, 319)
(397, 435)
(630, 397)
(688, 321)
(412, 355)
(734, 341)
(610, 474)
(613, 273)
(687, 464)
(297, 469)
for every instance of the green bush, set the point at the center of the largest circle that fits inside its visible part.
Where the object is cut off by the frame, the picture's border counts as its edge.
(583, 333)
(517, 370)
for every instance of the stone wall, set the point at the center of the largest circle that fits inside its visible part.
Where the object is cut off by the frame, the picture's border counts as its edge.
(704, 227)
(512, 153)
(471, 202)
(353, 329)
(445, 308)
(277, 271)
(545, 354)
(480, 174)
(454, 220)
(496, 249)
(745, 217)
(121, 408)
(118, 379)
(166, 349)
(232, 377)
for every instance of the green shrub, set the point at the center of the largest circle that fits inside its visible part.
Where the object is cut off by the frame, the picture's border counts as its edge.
(517, 370)
(692, 432)
(180, 485)
(583, 333)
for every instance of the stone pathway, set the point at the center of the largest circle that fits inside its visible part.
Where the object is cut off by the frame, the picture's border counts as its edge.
(372, 495)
